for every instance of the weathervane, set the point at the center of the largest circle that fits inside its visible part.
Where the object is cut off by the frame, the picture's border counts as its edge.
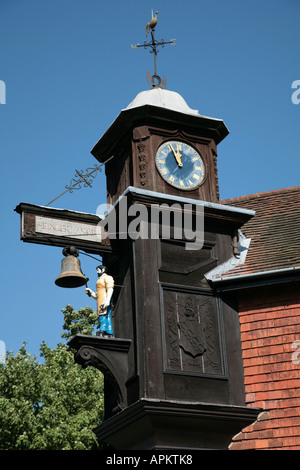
(154, 80)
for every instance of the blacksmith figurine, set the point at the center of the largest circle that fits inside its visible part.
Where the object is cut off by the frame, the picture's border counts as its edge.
(103, 296)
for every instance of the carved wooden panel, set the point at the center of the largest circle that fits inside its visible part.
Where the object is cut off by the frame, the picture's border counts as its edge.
(192, 332)
(119, 174)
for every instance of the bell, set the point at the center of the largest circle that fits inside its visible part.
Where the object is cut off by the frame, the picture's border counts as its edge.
(70, 275)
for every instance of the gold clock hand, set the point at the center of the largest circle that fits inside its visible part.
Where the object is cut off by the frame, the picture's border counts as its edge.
(171, 147)
(177, 157)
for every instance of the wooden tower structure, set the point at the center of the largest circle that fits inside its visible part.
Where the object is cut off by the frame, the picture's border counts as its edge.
(173, 372)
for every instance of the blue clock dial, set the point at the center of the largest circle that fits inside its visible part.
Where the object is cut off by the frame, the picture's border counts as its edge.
(180, 165)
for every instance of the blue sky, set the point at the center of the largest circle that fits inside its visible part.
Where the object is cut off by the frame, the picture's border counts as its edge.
(69, 69)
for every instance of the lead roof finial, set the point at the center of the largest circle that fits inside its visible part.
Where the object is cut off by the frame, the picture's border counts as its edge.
(155, 79)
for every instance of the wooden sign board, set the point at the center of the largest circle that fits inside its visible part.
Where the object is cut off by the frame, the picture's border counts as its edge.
(62, 227)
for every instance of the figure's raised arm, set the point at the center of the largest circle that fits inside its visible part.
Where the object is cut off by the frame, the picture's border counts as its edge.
(90, 293)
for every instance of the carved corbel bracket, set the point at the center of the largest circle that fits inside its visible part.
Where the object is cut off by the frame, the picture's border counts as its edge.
(110, 356)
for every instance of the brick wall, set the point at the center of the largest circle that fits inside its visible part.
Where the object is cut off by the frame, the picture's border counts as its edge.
(270, 329)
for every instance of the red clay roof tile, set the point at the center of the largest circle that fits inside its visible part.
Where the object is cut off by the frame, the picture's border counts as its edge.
(274, 230)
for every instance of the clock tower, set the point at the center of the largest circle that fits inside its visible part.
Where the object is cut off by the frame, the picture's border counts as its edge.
(173, 371)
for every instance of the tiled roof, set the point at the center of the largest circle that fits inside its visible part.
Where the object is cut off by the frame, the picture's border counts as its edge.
(274, 230)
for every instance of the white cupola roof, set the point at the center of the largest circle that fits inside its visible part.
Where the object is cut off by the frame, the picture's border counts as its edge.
(164, 99)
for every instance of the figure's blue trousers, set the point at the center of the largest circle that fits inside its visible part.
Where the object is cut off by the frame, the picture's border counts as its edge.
(106, 323)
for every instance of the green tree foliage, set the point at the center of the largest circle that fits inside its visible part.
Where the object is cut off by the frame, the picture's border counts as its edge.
(83, 321)
(53, 403)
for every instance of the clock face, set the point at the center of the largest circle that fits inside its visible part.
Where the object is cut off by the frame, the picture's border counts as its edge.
(180, 165)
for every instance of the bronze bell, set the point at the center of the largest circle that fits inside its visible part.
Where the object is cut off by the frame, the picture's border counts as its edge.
(70, 275)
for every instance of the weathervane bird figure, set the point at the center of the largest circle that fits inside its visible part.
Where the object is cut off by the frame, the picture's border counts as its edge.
(152, 23)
